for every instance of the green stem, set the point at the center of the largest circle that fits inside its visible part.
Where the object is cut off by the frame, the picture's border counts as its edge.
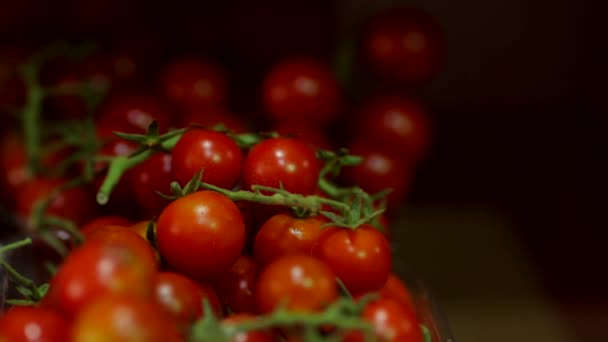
(31, 115)
(15, 245)
(66, 225)
(21, 280)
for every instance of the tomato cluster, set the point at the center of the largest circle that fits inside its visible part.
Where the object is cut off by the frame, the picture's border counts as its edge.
(164, 214)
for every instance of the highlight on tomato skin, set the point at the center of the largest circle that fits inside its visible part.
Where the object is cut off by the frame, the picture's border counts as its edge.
(18, 323)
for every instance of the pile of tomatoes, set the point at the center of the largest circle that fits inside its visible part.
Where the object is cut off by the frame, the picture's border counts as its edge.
(158, 213)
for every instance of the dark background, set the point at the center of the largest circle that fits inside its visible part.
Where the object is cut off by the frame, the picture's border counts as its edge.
(518, 107)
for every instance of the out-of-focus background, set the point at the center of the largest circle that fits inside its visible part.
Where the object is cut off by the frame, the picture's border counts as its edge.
(506, 219)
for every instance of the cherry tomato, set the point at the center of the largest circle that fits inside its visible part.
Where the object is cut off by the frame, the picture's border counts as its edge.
(286, 162)
(236, 285)
(361, 258)
(32, 324)
(306, 132)
(215, 153)
(132, 113)
(154, 174)
(396, 290)
(298, 281)
(397, 125)
(99, 222)
(248, 336)
(192, 82)
(75, 204)
(141, 228)
(392, 322)
(95, 269)
(404, 45)
(284, 234)
(181, 298)
(379, 171)
(209, 117)
(125, 237)
(200, 234)
(123, 318)
(302, 90)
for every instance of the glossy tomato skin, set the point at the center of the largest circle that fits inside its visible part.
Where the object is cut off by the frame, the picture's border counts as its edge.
(302, 90)
(32, 324)
(403, 45)
(181, 298)
(284, 234)
(200, 234)
(236, 286)
(395, 289)
(397, 125)
(391, 321)
(286, 162)
(192, 82)
(154, 174)
(209, 117)
(379, 171)
(215, 153)
(125, 237)
(123, 318)
(299, 281)
(96, 269)
(361, 258)
(99, 222)
(249, 336)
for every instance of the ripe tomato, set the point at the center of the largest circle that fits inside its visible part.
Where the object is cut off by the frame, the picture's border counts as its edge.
(311, 134)
(392, 322)
(75, 204)
(404, 45)
(397, 125)
(29, 324)
(141, 228)
(302, 90)
(181, 298)
(217, 154)
(361, 258)
(200, 234)
(236, 285)
(192, 82)
(298, 281)
(284, 234)
(132, 113)
(95, 269)
(210, 117)
(379, 171)
(102, 221)
(396, 290)
(123, 318)
(286, 162)
(247, 336)
(154, 174)
(125, 237)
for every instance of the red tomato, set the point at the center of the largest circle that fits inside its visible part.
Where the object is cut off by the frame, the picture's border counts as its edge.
(379, 171)
(181, 298)
(392, 322)
(192, 82)
(75, 204)
(302, 90)
(361, 258)
(284, 234)
(396, 290)
(313, 135)
(32, 324)
(286, 162)
(132, 113)
(200, 234)
(102, 221)
(217, 154)
(210, 117)
(95, 269)
(404, 45)
(154, 174)
(123, 318)
(298, 281)
(397, 125)
(236, 286)
(141, 228)
(125, 237)
(248, 336)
